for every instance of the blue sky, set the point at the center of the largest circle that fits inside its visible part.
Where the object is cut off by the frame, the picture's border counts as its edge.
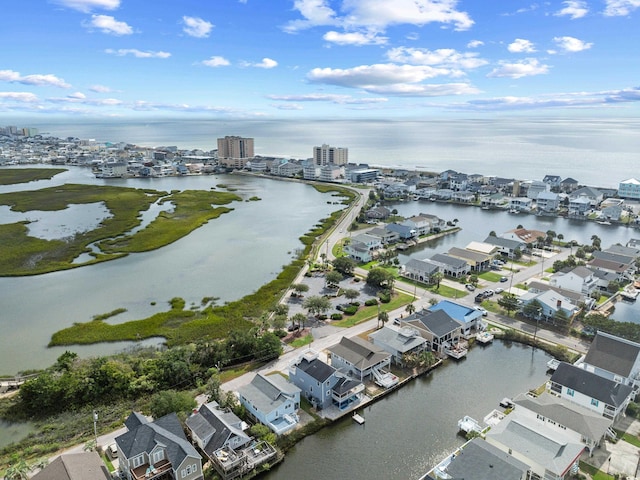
(319, 58)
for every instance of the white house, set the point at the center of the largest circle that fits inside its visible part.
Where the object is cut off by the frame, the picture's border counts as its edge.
(580, 279)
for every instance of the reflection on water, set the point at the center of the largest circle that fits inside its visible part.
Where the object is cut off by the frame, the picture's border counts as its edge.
(13, 432)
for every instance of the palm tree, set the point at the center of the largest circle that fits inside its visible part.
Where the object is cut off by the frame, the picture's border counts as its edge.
(18, 471)
(410, 308)
(382, 317)
(437, 277)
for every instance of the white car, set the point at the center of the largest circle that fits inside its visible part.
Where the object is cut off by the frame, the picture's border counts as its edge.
(499, 290)
(484, 312)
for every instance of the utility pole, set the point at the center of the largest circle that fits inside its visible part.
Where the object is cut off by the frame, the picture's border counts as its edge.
(95, 428)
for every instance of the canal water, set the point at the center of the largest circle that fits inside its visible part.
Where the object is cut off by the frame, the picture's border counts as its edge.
(412, 429)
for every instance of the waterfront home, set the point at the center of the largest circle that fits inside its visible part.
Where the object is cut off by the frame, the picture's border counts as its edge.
(594, 195)
(579, 423)
(468, 318)
(420, 270)
(622, 265)
(520, 204)
(213, 429)
(323, 385)
(535, 188)
(398, 341)
(629, 189)
(437, 223)
(551, 302)
(443, 194)
(590, 390)
(478, 459)
(149, 450)
(547, 202)
(569, 185)
(379, 213)
(528, 237)
(450, 265)
(287, 169)
(550, 453)
(484, 248)
(580, 279)
(464, 196)
(421, 225)
(75, 466)
(386, 236)
(404, 232)
(221, 436)
(614, 358)
(576, 299)
(458, 182)
(372, 242)
(477, 262)
(629, 250)
(554, 181)
(358, 358)
(438, 328)
(359, 251)
(490, 199)
(506, 246)
(272, 401)
(579, 207)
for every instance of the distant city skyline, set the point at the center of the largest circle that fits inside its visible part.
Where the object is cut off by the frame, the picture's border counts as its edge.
(288, 59)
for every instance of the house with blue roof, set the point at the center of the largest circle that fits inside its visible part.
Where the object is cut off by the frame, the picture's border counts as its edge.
(468, 318)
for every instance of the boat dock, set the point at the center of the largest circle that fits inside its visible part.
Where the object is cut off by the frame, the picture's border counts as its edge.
(484, 337)
(553, 364)
(467, 424)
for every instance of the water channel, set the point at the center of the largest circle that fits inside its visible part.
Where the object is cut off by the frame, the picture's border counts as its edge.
(408, 432)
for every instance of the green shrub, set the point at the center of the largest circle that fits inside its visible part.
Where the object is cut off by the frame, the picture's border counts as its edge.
(350, 310)
(371, 302)
(384, 297)
(336, 316)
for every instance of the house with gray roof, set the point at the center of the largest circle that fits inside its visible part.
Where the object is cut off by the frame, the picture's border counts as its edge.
(387, 236)
(478, 459)
(404, 232)
(438, 328)
(322, 384)
(75, 466)
(590, 390)
(580, 279)
(551, 454)
(506, 246)
(478, 262)
(357, 357)
(593, 195)
(150, 450)
(580, 423)
(420, 270)
(569, 185)
(272, 401)
(398, 341)
(614, 358)
(547, 202)
(622, 265)
(451, 266)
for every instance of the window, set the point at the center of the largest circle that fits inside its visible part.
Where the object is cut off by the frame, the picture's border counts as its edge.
(570, 392)
(158, 455)
(137, 461)
(594, 402)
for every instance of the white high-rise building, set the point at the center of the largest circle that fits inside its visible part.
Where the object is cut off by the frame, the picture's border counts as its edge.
(328, 155)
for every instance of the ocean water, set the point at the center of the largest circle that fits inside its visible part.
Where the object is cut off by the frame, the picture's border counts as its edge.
(598, 152)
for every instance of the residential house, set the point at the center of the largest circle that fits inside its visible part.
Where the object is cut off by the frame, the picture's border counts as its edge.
(378, 213)
(322, 384)
(506, 246)
(443, 194)
(331, 173)
(554, 181)
(551, 303)
(463, 196)
(438, 328)
(580, 279)
(482, 247)
(547, 202)
(594, 195)
(590, 390)
(528, 237)
(437, 223)
(535, 188)
(458, 182)
(621, 265)
(478, 262)
(420, 270)
(398, 341)
(450, 265)
(404, 232)
(75, 466)
(569, 185)
(421, 225)
(468, 318)
(358, 251)
(358, 358)
(551, 453)
(520, 204)
(629, 250)
(491, 200)
(272, 400)
(151, 450)
(611, 212)
(287, 169)
(629, 189)
(373, 242)
(576, 299)
(579, 423)
(478, 459)
(614, 358)
(385, 235)
(579, 207)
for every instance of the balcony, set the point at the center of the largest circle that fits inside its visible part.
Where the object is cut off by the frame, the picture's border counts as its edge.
(159, 470)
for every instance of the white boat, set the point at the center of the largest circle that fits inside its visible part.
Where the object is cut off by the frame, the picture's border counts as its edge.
(358, 419)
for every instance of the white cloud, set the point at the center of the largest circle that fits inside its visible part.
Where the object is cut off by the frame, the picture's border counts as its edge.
(475, 44)
(78, 95)
(287, 106)
(426, 90)
(618, 8)
(265, 63)
(520, 45)
(446, 57)
(100, 89)
(108, 24)
(137, 53)
(19, 96)
(354, 38)
(525, 68)
(571, 44)
(327, 97)
(378, 14)
(196, 27)
(216, 61)
(39, 80)
(87, 6)
(574, 9)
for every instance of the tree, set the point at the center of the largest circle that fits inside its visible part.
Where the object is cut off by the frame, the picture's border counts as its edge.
(18, 471)
(344, 265)
(410, 308)
(298, 319)
(351, 293)
(278, 322)
(473, 280)
(550, 236)
(213, 388)
(561, 318)
(268, 347)
(437, 278)
(167, 401)
(281, 309)
(300, 288)
(595, 242)
(380, 278)
(383, 317)
(580, 253)
(333, 278)
(533, 309)
(492, 233)
(560, 237)
(509, 302)
(316, 304)
(323, 257)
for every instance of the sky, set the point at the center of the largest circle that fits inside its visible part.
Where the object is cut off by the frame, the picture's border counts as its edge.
(319, 58)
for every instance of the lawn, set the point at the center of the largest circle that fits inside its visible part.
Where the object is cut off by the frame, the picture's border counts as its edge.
(490, 276)
(448, 292)
(366, 313)
(302, 341)
(594, 472)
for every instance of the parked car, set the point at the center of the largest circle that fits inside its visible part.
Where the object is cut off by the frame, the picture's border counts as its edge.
(484, 312)
(503, 279)
(293, 327)
(488, 293)
(469, 287)
(499, 290)
(479, 297)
